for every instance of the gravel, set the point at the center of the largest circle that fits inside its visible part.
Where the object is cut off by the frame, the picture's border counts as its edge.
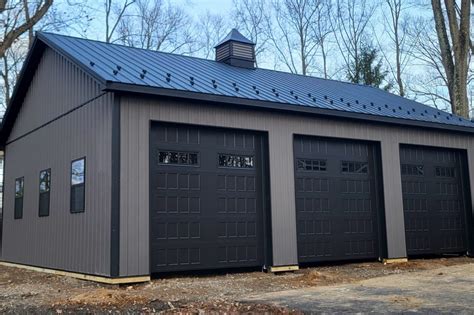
(23, 291)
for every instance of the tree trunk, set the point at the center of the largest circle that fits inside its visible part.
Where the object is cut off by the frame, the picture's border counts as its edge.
(455, 58)
(13, 34)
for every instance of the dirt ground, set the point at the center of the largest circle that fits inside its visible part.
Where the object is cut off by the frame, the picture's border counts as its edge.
(24, 291)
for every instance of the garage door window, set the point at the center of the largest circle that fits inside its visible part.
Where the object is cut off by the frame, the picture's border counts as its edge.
(353, 167)
(412, 170)
(236, 161)
(178, 158)
(311, 165)
(44, 189)
(19, 192)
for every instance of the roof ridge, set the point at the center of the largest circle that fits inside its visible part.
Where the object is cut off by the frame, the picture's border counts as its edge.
(201, 58)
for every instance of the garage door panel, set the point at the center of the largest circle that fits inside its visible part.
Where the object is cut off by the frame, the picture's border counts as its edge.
(206, 203)
(433, 200)
(336, 204)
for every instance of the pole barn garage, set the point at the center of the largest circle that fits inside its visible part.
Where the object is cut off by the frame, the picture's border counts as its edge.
(122, 162)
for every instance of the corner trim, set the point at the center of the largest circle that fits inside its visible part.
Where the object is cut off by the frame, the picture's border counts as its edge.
(82, 276)
(115, 189)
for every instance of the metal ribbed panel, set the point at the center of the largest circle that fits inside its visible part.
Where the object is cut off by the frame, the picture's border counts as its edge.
(74, 242)
(137, 112)
(122, 64)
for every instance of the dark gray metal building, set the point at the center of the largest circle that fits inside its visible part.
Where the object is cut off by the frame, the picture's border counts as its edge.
(123, 162)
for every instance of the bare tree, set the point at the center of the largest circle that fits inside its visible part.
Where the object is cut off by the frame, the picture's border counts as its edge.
(454, 49)
(12, 62)
(158, 25)
(212, 28)
(63, 16)
(350, 24)
(323, 32)
(19, 18)
(395, 43)
(111, 21)
(428, 81)
(22, 16)
(250, 17)
(292, 36)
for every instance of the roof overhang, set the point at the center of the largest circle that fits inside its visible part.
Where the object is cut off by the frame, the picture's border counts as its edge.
(212, 98)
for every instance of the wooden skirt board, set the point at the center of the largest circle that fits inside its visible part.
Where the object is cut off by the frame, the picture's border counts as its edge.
(338, 209)
(435, 200)
(206, 205)
(99, 279)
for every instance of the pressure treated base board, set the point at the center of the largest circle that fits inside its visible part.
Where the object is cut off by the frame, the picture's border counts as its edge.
(387, 261)
(81, 276)
(276, 269)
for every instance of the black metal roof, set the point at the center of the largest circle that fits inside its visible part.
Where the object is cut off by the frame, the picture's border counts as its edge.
(127, 69)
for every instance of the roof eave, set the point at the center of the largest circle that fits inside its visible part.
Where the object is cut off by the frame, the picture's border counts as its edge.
(189, 95)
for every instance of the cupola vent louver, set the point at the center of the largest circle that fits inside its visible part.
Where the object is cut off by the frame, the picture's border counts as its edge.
(236, 50)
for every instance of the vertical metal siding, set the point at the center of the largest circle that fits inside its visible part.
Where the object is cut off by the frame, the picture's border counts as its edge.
(134, 189)
(135, 120)
(392, 183)
(74, 242)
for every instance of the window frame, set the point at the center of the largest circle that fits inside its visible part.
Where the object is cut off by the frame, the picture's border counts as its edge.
(363, 164)
(44, 213)
(19, 215)
(305, 169)
(198, 156)
(73, 186)
(420, 169)
(440, 169)
(238, 155)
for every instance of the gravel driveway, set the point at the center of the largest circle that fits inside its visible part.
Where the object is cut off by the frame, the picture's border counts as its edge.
(443, 290)
(337, 287)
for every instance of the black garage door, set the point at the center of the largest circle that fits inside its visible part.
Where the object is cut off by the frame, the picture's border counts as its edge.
(434, 200)
(337, 204)
(206, 198)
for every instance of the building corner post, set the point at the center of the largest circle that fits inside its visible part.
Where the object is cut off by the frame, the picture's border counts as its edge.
(115, 201)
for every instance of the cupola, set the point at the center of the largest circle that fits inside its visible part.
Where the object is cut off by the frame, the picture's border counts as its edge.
(236, 50)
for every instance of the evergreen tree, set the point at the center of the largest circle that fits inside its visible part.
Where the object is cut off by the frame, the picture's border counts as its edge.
(367, 69)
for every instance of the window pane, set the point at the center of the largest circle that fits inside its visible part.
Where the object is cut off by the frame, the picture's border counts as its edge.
(44, 205)
(236, 161)
(77, 198)
(412, 170)
(18, 208)
(45, 181)
(311, 165)
(77, 172)
(354, 167)
(177, 158)
(19, 192)
(19, 187)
